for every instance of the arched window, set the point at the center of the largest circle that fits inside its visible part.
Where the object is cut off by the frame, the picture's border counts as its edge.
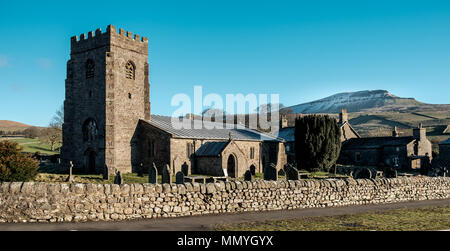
(90, 68)
(129, 70)
(90, 130)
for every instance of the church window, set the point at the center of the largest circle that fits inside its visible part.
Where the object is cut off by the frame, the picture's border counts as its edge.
(130, 70)
(90, 130)
(189, 150)
(252, 153)
(151, 148)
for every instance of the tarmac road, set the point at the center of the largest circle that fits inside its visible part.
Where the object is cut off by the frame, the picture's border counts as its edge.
(207, 222)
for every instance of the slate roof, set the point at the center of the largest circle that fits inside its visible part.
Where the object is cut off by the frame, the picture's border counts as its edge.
(211, 149)
(351, 128)
(445, 142)
(376, 142)
(218, 131)
(287, 133)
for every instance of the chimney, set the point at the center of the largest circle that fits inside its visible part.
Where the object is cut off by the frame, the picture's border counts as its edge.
(395, 132)
(420, 133)
(343, 116)
(283, 122)
(190, 116)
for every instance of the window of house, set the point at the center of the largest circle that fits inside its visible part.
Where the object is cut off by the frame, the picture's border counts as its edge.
(130, 70)
(90, 68)
(358, 156)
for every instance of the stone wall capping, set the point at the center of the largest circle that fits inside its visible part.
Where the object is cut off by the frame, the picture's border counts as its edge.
(210, 188)
(220, 186)
(189, 187)
(166, 188)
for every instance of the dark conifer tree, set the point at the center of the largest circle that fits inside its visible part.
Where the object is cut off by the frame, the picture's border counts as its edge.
(317, 142)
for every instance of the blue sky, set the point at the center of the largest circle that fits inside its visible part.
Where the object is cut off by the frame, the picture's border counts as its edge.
(302, 50)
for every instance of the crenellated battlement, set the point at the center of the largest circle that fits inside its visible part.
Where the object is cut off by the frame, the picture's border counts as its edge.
(110, 36)
(109, 30)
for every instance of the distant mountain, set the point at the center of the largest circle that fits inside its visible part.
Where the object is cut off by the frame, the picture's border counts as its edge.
(356, 102)
(9, 126)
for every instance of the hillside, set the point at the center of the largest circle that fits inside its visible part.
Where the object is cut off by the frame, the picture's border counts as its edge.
(356, 102)
(375, 113)
(9, 126)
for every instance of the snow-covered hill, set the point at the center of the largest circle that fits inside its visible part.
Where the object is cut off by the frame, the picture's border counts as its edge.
(355, 102)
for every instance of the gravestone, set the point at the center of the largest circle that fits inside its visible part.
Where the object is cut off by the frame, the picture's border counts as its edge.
(291, 172)
(118, 179)
(166, 175)
(270, 172)
(248, 175)
(252, 169)
(141, 170)
(179, 178)
(70, 178)
(363, 173)
(152, 174)
(106, 173)
(185, 169)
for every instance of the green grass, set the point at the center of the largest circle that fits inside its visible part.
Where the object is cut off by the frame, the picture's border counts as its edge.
(429, 218)
(34, 145)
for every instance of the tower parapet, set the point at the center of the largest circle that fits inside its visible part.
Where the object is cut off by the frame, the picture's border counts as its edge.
(109, 38)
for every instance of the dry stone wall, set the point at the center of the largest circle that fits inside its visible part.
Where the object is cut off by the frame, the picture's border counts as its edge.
(44, 202)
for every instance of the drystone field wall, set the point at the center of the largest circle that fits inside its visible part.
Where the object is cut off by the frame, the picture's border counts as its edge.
(44, 202)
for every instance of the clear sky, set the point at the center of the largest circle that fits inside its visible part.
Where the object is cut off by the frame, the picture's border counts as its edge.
(302, 50)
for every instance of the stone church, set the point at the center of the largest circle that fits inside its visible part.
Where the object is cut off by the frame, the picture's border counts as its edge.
(107, 121)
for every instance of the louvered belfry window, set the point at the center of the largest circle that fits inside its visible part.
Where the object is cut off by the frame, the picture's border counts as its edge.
(90, 68)
(129, 70)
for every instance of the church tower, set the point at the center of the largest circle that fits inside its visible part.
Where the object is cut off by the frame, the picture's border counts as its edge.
(107, 92)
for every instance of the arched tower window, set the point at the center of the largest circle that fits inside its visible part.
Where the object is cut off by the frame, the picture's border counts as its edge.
(90, 130)
(130, 69)
(90, 68)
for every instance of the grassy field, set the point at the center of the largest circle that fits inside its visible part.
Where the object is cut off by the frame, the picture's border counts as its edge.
(33, 145)
(430, 218)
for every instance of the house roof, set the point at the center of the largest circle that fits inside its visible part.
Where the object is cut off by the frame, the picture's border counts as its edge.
(211, 149)
(445, 142)
(376, 142)
(351, 128)
(209, 130)
(288, 133)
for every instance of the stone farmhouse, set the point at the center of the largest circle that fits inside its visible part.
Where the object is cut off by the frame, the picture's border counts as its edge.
(108, 126)
(410, 152)
(444, 152)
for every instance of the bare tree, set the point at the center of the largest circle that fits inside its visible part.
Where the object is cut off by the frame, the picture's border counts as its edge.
(58, 119)
(53, 134)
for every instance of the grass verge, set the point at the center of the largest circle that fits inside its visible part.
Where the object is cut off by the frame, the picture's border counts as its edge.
(419, 219)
